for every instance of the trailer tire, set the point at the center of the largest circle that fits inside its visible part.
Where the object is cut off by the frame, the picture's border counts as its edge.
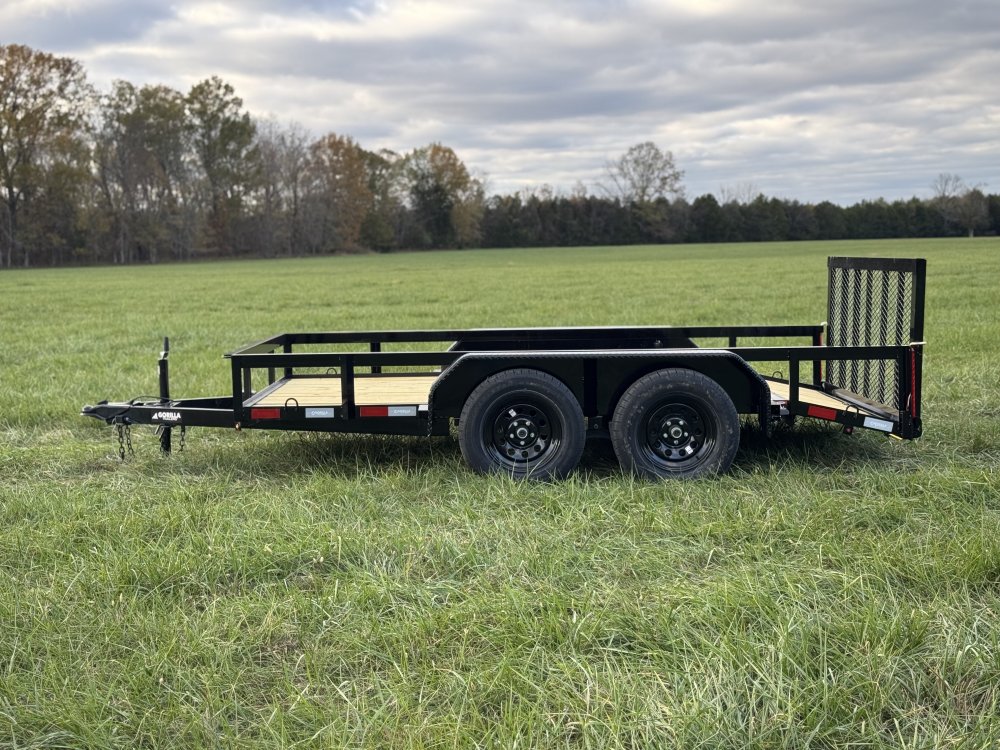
(675, 423)
(523, 423)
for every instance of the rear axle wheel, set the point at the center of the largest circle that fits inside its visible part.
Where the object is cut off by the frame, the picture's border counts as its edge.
(675, 423)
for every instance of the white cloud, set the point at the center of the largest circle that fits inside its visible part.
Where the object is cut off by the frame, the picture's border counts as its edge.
(808, 100)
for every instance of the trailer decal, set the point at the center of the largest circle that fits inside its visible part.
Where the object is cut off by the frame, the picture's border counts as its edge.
(878, 424)
(320, 413)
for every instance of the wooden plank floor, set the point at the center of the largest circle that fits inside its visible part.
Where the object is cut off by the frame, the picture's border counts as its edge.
(405, 390)
(401, 390)
(810, 396)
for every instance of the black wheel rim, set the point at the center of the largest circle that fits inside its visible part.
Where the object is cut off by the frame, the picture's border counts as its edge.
(521, 434)
(677, 435)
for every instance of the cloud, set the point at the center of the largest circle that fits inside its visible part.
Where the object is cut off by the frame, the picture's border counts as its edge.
(845, 101)
(75, 27)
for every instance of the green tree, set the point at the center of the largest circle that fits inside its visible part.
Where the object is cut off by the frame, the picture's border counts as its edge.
(386, 222)
(802, 223)
(54, 226)
(993, 211)
(143, 173)
(707, 220)
(765, 220)
(43, 100)
(447, 200)
(830, 223)
(224, 144)
(972, 211)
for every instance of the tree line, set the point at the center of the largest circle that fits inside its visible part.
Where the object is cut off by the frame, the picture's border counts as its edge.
(542, 219)
(149, 174)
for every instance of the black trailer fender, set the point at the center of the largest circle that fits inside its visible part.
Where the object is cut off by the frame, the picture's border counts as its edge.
(599, 379)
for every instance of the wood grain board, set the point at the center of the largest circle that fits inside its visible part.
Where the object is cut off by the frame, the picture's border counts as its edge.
(368, 391)
(810, 396)
(415, 389)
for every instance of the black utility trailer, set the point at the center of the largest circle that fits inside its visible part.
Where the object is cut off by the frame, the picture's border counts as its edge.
(525, 400)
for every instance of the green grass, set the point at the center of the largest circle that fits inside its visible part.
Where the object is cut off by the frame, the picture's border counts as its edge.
(278, 590)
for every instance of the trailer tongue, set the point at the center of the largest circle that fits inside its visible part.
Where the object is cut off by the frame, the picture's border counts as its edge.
(525, 400)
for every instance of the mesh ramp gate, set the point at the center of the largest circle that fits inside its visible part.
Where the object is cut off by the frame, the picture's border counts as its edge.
(874, 302)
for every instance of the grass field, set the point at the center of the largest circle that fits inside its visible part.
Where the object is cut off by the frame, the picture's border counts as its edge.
(280, 590)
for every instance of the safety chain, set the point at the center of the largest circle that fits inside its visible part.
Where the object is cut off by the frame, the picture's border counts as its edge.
(180, 448)
(124, 440)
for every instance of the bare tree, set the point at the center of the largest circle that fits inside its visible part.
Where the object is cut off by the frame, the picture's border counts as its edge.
(947, 186)
(282, 156)
(643, 174)
(959, 203)
(339, 177)
(644, 180)
(743, 193)
(972, 210)
(294, 165)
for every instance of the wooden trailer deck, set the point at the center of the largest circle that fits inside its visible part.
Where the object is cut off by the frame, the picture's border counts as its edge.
(369, 390)
(409, 390)
(812, 396)
(807, 394)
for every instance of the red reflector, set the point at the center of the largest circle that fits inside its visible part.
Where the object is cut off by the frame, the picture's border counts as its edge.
(822, 412)
(265, 414)
(373, 411)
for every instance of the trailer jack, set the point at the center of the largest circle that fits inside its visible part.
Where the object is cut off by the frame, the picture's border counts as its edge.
(164, 372)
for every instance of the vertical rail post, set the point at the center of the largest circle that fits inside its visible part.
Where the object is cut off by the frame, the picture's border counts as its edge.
(919, 290)
(793, 379)
(347, 387)
(817, 341)
(286, 347)
(164, 370)
(238, 397)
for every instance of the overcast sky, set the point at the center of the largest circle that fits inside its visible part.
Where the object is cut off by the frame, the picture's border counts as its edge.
(809, 99)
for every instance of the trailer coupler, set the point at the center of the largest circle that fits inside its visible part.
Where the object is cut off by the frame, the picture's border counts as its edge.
(117, 416)
(164, 413)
